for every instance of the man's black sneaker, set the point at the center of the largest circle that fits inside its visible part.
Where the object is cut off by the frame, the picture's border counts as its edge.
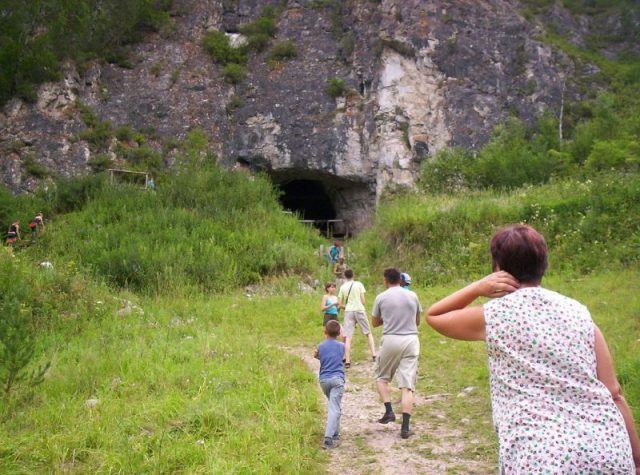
(389, 417)
(405, 434)
(328, 443)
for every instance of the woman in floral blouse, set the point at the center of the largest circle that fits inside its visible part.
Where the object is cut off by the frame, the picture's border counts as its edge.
(557, 405)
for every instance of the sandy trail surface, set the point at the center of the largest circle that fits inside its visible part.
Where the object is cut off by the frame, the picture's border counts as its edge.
(368, 447)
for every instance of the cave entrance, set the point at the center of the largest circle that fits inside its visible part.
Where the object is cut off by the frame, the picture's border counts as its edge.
(336, 206)
(309, 199)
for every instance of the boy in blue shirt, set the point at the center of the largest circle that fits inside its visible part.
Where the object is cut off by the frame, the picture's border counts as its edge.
(331, 353)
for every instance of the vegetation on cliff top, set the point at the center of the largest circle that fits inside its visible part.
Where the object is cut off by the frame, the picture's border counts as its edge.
(37, 35)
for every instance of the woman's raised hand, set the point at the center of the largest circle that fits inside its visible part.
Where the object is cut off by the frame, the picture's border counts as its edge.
(497, 284)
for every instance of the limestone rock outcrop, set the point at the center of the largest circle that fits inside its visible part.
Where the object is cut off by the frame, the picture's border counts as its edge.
(420, 75)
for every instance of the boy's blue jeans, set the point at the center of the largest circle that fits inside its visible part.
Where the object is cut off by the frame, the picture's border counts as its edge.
(333, 388)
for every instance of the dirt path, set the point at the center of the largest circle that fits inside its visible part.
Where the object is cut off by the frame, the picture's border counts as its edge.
(371, 448)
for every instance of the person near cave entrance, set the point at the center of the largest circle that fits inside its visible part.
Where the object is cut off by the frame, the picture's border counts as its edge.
(339, 270)
(334, 252)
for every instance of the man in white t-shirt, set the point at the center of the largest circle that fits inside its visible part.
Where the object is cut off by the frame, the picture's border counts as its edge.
(351, 297)
(398, 311)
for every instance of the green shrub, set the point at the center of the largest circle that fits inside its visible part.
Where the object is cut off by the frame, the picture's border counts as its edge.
(510, 159)
(69, 194)
(100, 163)
(173, 79)
(156, 69)
(283, 50)
(258, 41)
(87, 114)
(99, 135)
(400, 47)
(623, 154)
(217, 44)
(144, 158)
(30, 167)
(448, 171)
(17, 332)
(234, 103)
(347, 46)
(234, 73)
(335, 88)
(124, 133)
(260, 32)
(265, 25)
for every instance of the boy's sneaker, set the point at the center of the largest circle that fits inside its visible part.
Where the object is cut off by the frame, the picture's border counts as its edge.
(336, 437)
(388, 417)
(328, 443)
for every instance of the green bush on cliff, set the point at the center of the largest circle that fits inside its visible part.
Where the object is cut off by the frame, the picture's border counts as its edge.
(335, 88)
(234, 73)
(217, 44)
(283, 50)
(100, 163)
(264, 25)
(37, 35)
(144, 158)
(514, 156)
(30, 167)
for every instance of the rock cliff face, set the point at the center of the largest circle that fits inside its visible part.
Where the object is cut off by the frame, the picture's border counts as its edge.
(422, 74)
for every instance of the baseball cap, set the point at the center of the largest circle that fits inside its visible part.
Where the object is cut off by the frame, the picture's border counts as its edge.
(405, 277)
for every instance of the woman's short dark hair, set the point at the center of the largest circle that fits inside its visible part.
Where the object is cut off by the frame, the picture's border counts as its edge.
(521, 251)
(392, 275)
(329, 284)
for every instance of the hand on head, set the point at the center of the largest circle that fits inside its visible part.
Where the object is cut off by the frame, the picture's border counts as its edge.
(497, 284)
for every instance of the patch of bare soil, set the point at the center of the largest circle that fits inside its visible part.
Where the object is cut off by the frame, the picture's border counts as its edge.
(368, 447)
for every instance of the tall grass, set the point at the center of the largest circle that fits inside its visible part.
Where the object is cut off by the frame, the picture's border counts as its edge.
(208, 229)
(176, 385)
(194, 384)
(588, 225)
(186, 380)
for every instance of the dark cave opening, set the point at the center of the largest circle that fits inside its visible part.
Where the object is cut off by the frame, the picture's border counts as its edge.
(308, 199)
(335, 206)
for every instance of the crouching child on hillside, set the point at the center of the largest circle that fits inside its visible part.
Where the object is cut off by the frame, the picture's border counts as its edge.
(331, 355)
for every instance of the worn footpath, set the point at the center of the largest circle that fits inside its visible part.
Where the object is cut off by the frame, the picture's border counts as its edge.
(367, 447)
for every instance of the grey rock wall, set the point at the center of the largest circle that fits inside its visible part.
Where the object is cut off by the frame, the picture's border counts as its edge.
(423, 74)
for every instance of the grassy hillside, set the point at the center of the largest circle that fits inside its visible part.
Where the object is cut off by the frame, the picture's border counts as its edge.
(207, 229)
(136, 351)
(189, 384)
(589, 225)
(199, 384)
(190, 376)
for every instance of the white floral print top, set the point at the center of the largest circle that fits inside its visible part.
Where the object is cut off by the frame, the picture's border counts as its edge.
(551, 413)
